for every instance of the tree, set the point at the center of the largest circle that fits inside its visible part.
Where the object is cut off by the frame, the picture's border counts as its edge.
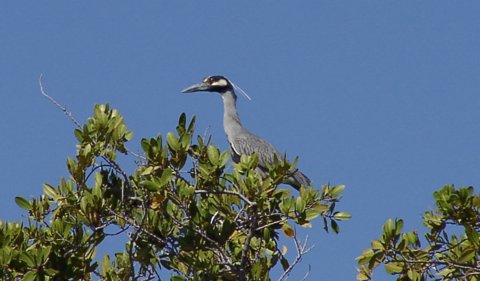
(452, 250)
(181, 211)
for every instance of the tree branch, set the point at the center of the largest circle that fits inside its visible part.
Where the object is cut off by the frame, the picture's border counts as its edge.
(59, 106)
(301, 251)
(251, 233)
(239, 195)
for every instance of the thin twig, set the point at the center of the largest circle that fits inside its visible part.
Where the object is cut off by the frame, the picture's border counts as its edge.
(61, 107)
(307, 273)
(301, 251)
(241, 196)
(272, 223)
(441, 263)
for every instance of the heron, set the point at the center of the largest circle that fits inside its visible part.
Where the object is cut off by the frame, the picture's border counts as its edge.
(241, 140)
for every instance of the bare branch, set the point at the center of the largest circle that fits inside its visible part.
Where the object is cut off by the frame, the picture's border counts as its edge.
(441, 263)
(272, 223)
(241, 196)
(301, 251)
(307, 273)
(58, 105)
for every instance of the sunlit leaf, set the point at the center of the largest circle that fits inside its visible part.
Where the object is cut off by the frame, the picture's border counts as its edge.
(335, 191)
(342, 216)
(300, 204)
(288, 230)
(172, 141)
(362, 277)
(23, 203)
(50, 191)
(213, 154)
(30, 276)
(393, 267)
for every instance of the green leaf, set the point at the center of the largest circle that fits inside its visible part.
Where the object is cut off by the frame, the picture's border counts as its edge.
(377, 245)
(362, 277)
(224, 157)
(23, 203)
(393, 267)
(398, 226)
(366, 256)
(28, 259)
(191, 126)
(151, 185)
(50, 191)
(30, 276)
(320, 207)
(337, 190)
(334, 226)
(284, 262)
(185, 140)
(467, 255)
(71, 165)
(300, 205)
(447, 271)
(413, 275)
(342, 216)
(98, 180)
(388, 227)
(473, 236)
(148, 170)
(79, 135)
(97, 192)
(181, 123)
(128, 136)
(172, 141)
(165, 178)
(145, 143)
(311, 214)
(213, 154)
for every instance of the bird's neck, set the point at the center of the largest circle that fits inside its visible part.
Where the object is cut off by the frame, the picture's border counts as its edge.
(231, 120)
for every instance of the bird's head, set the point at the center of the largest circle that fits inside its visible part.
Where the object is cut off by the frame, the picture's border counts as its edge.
(214, 83)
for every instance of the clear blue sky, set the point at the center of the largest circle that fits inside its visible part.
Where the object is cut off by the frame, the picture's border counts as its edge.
(382, 96)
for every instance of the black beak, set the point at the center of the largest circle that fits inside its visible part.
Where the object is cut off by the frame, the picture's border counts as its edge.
(197, 88)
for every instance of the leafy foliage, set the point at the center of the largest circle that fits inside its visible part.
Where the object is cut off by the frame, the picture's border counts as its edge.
(182, 211)
(446, 256)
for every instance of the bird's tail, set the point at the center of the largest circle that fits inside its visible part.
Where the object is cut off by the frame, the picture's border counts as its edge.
(298, 179)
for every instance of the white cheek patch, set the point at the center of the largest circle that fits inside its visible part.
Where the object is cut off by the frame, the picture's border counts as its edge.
(221, 82)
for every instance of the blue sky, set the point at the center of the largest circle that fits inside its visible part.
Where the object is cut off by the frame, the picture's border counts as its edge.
(382, 96)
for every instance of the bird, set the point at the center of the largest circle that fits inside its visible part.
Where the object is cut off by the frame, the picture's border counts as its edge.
(241, 140)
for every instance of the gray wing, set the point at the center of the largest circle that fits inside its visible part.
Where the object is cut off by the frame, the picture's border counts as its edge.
(250, 143)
